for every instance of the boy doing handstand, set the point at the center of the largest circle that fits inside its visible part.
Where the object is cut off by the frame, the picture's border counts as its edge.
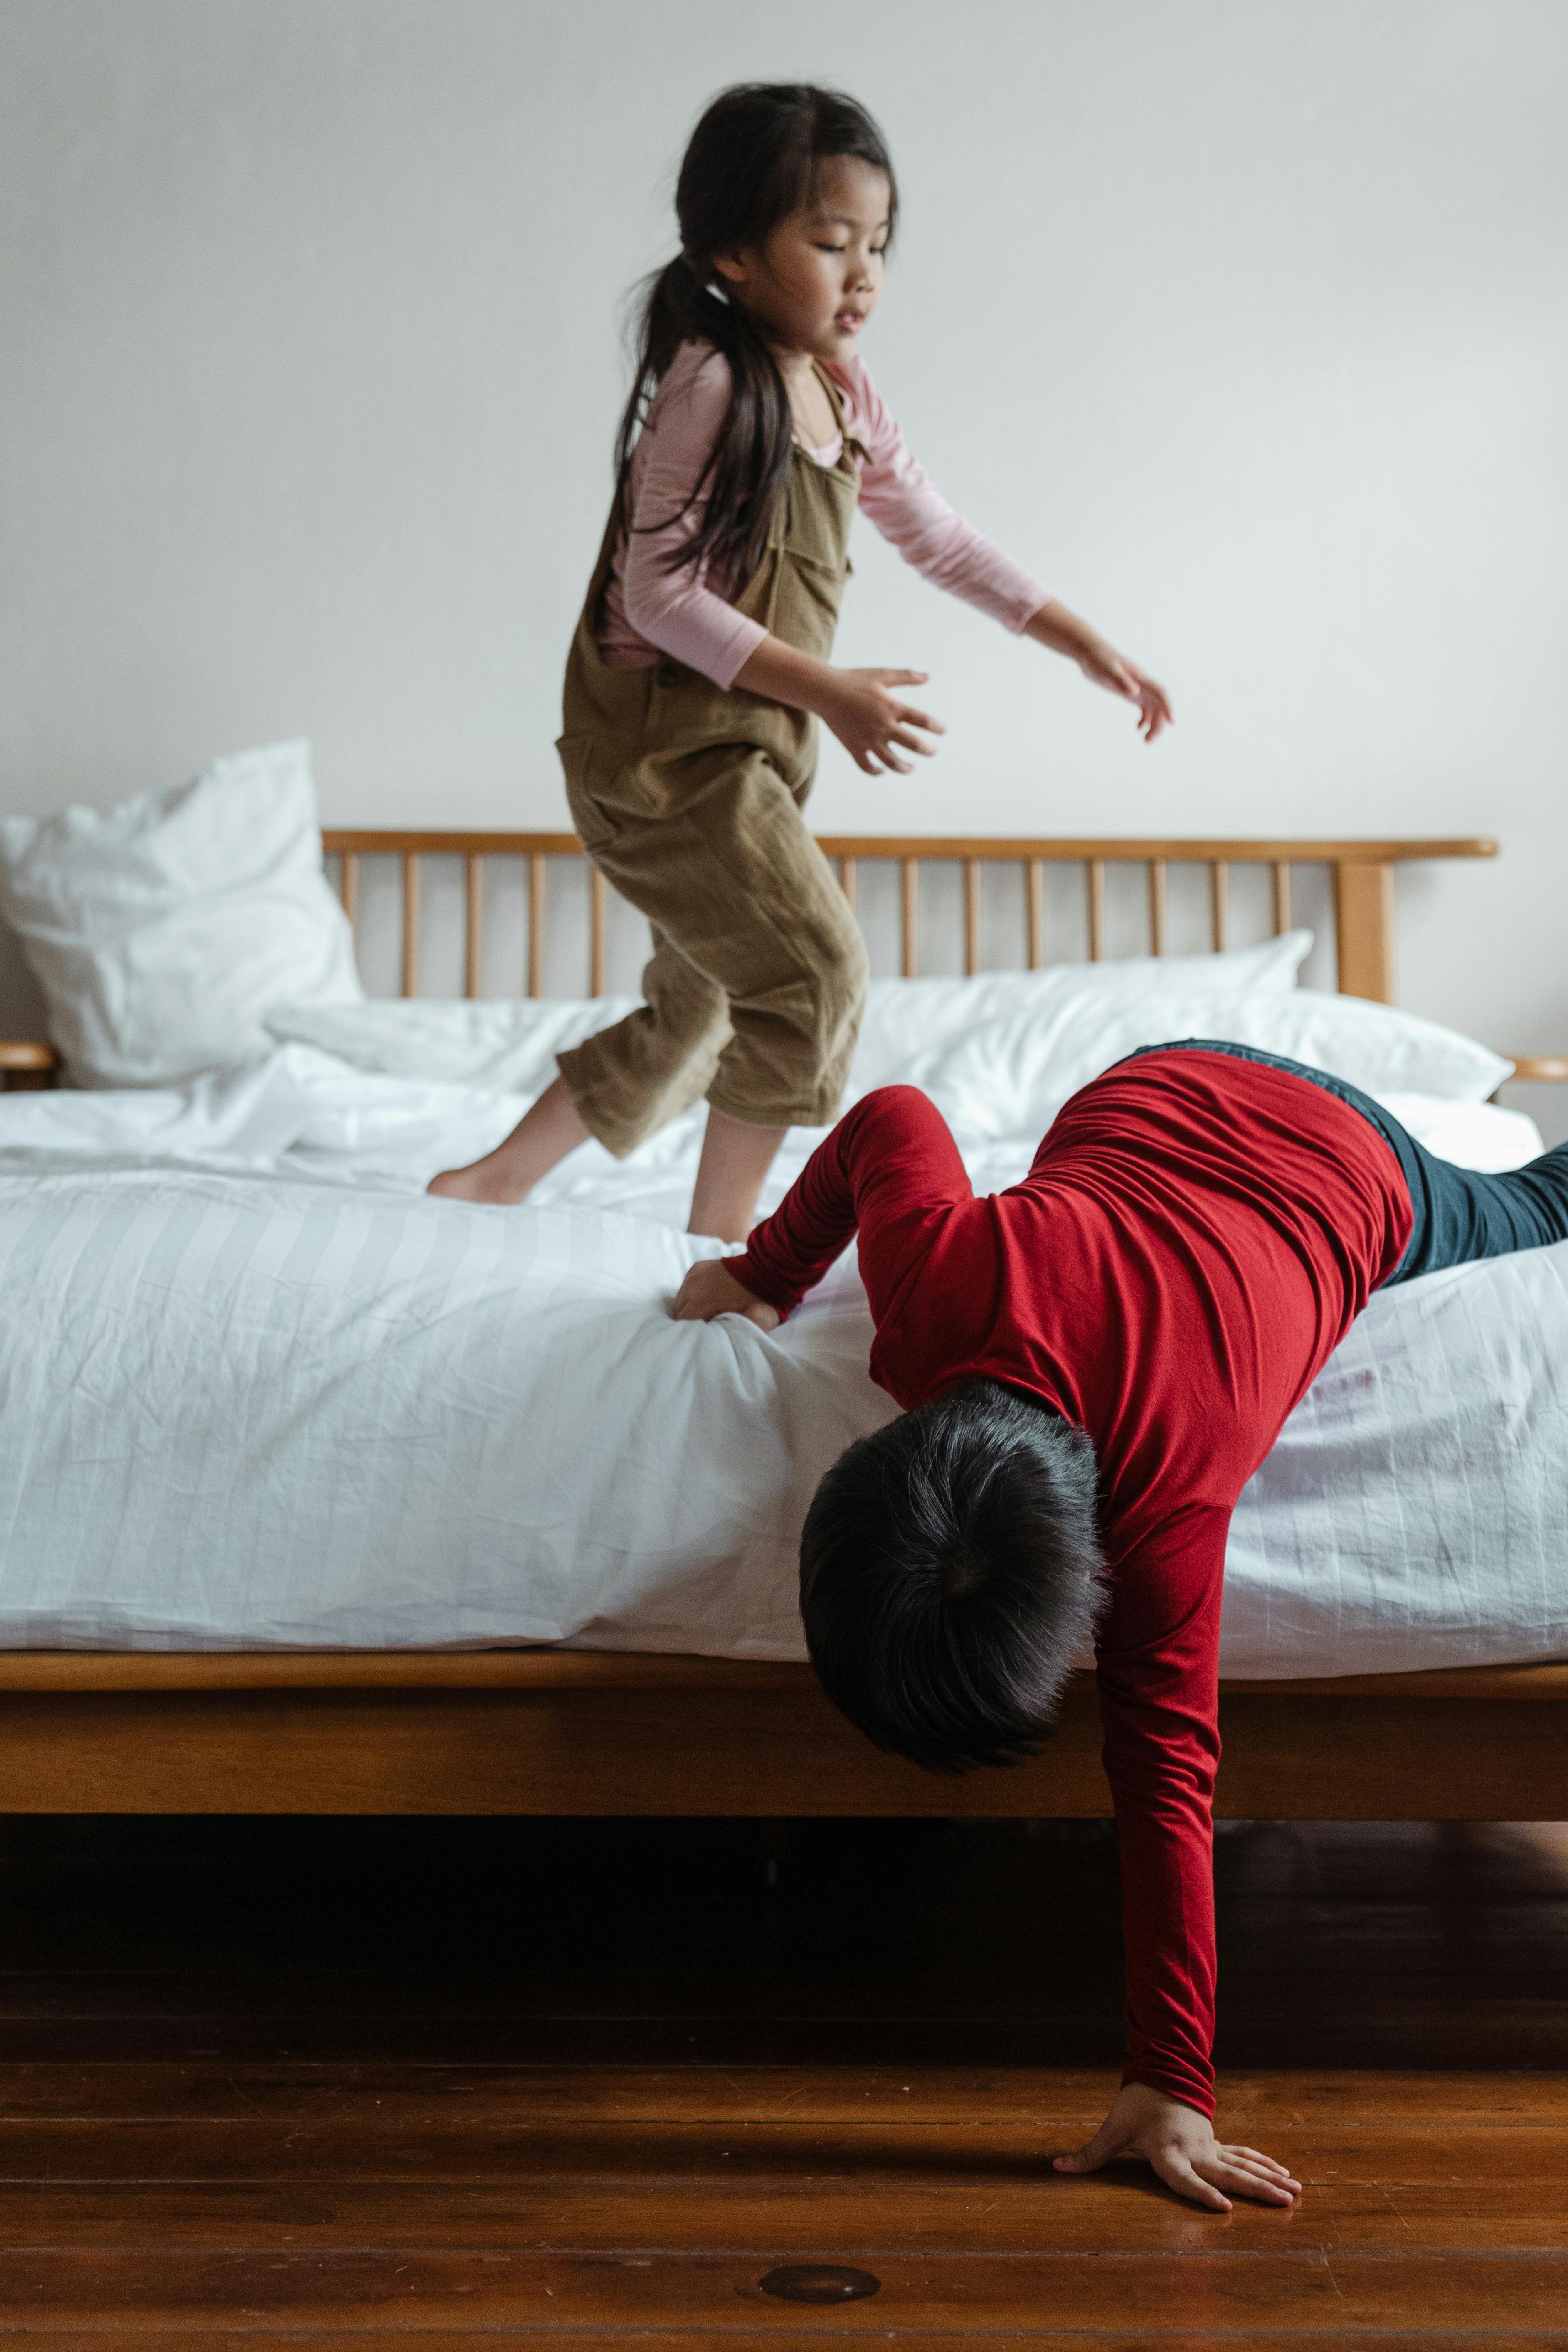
(1092, 1364)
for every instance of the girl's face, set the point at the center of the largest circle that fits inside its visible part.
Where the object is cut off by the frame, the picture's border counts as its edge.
(816, 279)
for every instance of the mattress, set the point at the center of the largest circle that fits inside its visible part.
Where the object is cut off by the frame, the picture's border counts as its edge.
(256, 1391)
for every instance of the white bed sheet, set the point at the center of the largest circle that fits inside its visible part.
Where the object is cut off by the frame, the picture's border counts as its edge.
(256, 1390)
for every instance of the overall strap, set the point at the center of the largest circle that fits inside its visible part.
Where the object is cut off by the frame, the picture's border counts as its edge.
(836, 402)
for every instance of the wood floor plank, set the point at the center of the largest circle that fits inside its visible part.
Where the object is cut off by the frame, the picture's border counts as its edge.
(784, 2338)
(285, 2091)
(408, 2094)
(1436, 2097)
(366, 2145)
(775, 2338)
(1211, 2296)
(808, 2218)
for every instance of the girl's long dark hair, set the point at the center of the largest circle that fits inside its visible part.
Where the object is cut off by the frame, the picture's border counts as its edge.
(752, 161)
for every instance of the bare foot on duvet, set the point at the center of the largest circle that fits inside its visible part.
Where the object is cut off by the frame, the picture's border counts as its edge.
(487, 1180)
(544, 1134)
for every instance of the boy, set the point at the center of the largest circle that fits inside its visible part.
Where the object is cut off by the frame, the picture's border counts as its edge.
(1092, 1365)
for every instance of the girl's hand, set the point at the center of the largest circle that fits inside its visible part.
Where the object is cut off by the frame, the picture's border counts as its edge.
(869, 721)
(1181, 2145)
(1103, 665)
(707, 1291)
(1064, 633)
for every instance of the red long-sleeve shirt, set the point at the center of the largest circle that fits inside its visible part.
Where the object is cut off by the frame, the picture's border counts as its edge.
(1195, 1236)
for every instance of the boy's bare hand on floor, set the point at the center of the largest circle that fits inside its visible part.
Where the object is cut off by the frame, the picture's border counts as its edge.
(707, 1291)
(1181, 2145)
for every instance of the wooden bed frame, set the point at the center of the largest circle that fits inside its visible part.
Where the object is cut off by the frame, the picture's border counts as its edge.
(571, 1732)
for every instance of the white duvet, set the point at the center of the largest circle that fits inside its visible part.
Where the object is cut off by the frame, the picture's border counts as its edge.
(255, 1389)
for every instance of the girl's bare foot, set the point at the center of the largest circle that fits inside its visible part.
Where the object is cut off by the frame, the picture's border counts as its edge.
(490, 1178)
(546, 1132)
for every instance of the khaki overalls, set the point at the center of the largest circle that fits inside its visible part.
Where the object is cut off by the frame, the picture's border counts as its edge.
(688, 799)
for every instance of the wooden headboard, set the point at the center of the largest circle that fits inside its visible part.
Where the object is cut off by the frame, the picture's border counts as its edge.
(1362, 873)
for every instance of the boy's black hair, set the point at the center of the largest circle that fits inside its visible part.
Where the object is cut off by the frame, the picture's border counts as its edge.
(950, 1576)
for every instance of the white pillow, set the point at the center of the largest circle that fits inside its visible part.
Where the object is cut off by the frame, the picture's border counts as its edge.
(1376, 1047)
(1000, 1054)
(164, 931)
(909, 1024)
(1472, 1134)
(987, 1048)
(1010, 1074)
(505, 1044)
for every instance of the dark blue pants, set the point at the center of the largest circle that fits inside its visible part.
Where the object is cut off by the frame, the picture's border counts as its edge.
(1460, 1214)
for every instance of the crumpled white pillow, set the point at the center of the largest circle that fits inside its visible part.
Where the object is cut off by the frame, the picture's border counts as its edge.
(1011, 1073)
(1472, 1134)
(999, 1053)
(1379, 1047)
(911, 1025)
(989, 1048)
(507, 1043)
(164, 931)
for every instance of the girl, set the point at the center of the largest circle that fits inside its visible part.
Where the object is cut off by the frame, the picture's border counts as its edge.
(701, 661)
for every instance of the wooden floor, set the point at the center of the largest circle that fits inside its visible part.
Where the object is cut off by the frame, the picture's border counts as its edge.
(455, 2085)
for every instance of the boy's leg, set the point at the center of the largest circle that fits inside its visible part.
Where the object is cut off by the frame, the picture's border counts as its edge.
(1462, 1214)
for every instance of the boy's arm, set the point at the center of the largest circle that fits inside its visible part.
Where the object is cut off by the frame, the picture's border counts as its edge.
(1158, 1661)
(1158, 1671)
(889, 1168)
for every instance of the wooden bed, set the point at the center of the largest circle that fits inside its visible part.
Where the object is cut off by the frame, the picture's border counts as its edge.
(553, 1731)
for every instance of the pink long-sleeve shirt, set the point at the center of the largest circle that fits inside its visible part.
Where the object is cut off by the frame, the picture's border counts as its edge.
(650, 610)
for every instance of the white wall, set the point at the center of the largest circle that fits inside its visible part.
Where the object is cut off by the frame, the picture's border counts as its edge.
(1243, 320)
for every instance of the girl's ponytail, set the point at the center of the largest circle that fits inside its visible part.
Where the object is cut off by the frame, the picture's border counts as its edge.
(752, 161)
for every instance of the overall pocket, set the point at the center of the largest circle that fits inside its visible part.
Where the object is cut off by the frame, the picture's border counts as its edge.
(595, 825)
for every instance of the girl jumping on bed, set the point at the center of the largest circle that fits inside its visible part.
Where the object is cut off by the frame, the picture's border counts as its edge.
(701, 661)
